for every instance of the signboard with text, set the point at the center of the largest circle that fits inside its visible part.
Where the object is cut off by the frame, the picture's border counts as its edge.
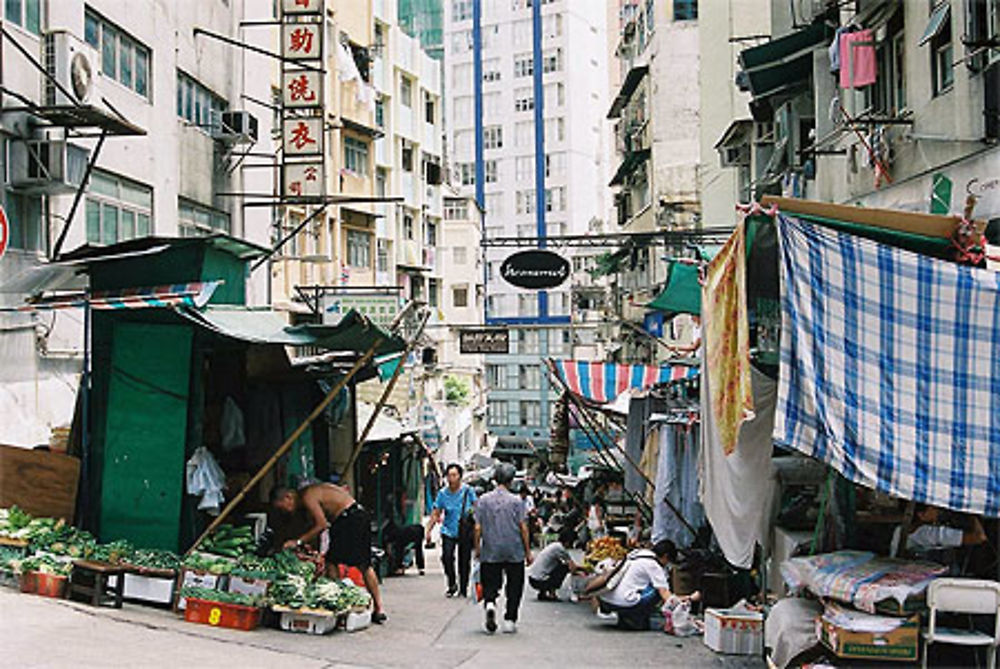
(381, 308)
(484, 340)
(302, 117)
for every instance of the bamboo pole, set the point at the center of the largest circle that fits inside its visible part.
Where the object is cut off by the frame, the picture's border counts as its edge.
(385, 396)
(284, 448)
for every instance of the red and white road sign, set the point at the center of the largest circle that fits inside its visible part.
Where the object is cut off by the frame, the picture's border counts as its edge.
(4, 231)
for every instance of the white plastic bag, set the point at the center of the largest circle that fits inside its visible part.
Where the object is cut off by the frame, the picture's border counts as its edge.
(205, 478)
(476, 591)
(682, 620)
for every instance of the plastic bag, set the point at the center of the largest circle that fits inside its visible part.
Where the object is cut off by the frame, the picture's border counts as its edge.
(477, 583)
(205, 478)
(683, 621)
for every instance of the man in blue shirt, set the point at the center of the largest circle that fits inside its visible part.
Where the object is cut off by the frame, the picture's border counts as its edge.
(453, 501)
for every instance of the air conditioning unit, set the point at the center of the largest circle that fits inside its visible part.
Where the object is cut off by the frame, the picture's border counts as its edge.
(47, 165)
(234, 127)
(73, 63)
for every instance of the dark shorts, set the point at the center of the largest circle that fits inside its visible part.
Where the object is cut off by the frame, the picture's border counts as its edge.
(351, 538)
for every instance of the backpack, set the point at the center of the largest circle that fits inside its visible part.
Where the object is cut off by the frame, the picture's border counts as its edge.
(612, 578)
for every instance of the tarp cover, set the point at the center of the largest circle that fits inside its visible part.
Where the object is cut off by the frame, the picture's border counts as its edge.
(602, 382)
(682, 294)
(889, 371)
(353, 332)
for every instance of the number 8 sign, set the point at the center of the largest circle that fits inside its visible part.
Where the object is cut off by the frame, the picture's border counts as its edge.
(4, 231)
(214, 616)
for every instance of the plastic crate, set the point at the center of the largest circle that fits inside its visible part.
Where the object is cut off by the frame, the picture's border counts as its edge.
(308, 621)
(46, 585)
(357, 620)
(9, 579)
(218, 614)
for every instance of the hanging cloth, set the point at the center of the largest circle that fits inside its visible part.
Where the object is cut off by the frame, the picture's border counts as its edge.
(857, 59)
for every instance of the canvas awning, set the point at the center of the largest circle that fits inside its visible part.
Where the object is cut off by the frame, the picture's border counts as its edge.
(631, 161)
(195, 294)
(385, 428)
(602, 382)
(353, 332)
(631, 82)
(784, 63)
(682, 294)
(936, 23)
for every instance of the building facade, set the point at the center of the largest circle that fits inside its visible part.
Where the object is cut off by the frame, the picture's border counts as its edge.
(177, 113)
(555, 116)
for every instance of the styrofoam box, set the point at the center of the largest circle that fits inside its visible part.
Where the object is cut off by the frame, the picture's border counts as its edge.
(198, 580)
(357, 621)
(308, 623)
(734, 632)
(156, 589)
(248, 586)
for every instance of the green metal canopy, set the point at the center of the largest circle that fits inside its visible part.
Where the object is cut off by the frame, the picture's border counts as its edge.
(353, 332)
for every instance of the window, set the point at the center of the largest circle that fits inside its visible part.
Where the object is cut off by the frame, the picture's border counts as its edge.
(382, 255)
(355, 156)
(529, 377)
(25, 13)
(459, 255)
(463, 110)
(888, 94)
(531, 412)
(525, 201)
(524, 134)
(555, 199)
(496, 412)
(467, 173)
(555, 164)
(194, 220)
(456, 210)
(490, 169)
(938, 34)
(461, 10)
(405, 91)
(461, 41)
(24, 215)
(407, 158)
(381, 179)
(493, 137)
(123, 58)
(524, 167)
(429, 108)
(552, 25)
(430, 233)
(359, 249)
(493, 105)
(552, 61)
(524, 100)
(494, 376)
(407, 226)
(433, 288)
(460, 297)
(685, 10)
(555, 129)
(529, 339)
(195, 103)
(380, 113)
(118, 209)
(461, 77)
(491, 69)
(494, 204)
(523, 66)
(527, 305)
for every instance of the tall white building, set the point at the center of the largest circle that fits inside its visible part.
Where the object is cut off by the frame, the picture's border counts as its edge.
(573, 98)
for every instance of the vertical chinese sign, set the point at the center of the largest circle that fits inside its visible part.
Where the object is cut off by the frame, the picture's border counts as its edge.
(303, 117)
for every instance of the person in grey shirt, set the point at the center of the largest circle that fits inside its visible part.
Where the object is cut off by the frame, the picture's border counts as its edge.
(552, 566)
(501, 544)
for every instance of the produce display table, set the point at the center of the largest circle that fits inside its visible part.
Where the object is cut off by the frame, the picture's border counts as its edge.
(98, 583)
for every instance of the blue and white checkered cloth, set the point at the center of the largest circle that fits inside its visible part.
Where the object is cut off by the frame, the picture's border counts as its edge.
(890, 367)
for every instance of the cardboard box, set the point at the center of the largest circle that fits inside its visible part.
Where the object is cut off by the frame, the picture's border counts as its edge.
(734, 631)
(900, 644)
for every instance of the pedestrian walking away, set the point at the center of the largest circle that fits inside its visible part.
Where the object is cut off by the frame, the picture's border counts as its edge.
(331, 506)
(452, 508)
(552, 565)
(502, 546)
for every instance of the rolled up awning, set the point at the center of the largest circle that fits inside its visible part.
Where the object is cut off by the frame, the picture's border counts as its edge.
(602, 382)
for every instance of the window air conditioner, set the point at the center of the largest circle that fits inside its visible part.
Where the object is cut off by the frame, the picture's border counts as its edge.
(47, 166)
(236, 127)
(73, 63)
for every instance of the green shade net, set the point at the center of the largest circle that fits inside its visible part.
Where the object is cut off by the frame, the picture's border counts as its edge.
(682, 294)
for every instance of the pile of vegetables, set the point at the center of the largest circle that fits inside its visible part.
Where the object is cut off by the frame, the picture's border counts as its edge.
(209, 595)
(229, 541)
(12, 521)
(154, 558)
(604, 548)
(296, 592)
(45, 564)
(210, 563)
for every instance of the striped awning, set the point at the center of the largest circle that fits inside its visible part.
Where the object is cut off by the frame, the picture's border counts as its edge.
(602, 382)
(196, 294)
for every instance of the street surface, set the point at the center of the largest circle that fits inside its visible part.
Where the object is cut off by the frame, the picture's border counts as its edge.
(424, 629)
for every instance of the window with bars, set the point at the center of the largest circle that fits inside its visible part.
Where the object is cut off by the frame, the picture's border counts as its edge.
(123, 58)
(117, 209)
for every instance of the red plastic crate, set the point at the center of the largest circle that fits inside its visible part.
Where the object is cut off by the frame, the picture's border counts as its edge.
(46, 585)
(217, 614)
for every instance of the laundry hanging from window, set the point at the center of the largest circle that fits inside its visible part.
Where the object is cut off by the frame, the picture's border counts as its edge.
(857, 59)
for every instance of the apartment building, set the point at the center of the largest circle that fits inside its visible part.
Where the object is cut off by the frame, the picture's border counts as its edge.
(559, 120)
(175, 108)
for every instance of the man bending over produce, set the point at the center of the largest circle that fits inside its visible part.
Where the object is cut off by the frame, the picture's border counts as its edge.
(331, 506)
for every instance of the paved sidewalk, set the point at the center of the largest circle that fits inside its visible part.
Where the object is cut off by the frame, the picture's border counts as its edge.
(424, 628)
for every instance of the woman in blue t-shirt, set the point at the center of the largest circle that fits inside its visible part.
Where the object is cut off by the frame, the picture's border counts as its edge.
(453, 501)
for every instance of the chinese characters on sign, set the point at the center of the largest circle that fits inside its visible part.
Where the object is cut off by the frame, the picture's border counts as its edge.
(302, 124)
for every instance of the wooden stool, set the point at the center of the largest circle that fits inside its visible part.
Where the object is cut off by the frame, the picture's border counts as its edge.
(90, 583)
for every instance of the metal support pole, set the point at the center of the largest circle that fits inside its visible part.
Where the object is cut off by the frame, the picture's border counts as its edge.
(308, 219)
(385, 397)
(256, 49)
(79, 195)
(285, 447)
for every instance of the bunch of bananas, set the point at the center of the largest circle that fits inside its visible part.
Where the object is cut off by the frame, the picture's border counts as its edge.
(603, 548)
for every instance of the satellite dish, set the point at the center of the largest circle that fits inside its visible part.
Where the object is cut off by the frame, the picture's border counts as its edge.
(81, 77)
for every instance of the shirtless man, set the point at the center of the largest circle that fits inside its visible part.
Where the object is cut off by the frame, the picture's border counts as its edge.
(331, 506)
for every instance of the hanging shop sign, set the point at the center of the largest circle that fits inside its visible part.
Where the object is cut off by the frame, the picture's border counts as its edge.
(484, 340)
(302, 114)
(535, 270)
(380, 308)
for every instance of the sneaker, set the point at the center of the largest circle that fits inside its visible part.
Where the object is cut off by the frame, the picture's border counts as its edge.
(491, 618)
(450, 592)
(421, 572)
(509, 627)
